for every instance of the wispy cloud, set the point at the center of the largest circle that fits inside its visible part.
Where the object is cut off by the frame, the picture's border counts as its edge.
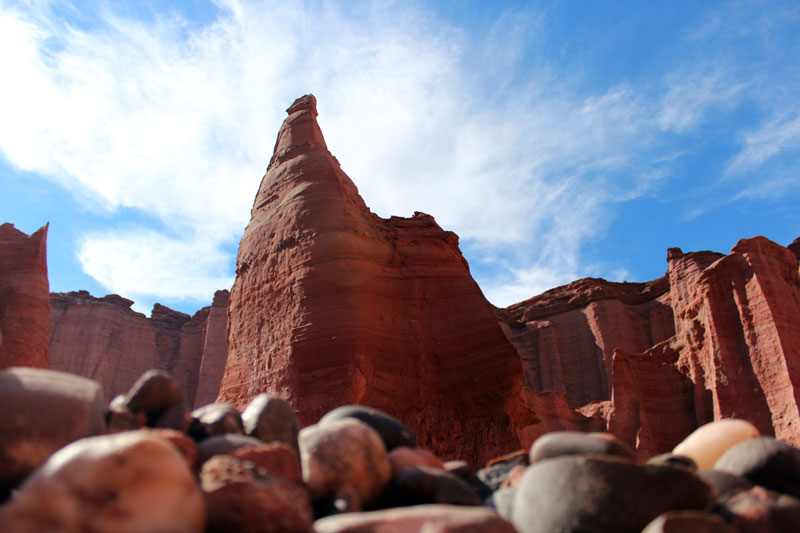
(177, 121)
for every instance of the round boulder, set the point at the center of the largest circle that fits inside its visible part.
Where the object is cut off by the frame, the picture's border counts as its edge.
(602, 494)
(124, 482)
(393, 432)
(270, 418)
(765, 461)
(707, 443)
(344, 454)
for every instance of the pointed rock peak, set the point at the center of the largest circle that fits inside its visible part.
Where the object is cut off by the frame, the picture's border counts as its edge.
(307, 101)
(300, 131)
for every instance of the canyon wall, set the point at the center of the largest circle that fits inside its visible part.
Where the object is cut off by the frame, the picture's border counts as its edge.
(24, 298)
(715, 338)
(334, 305)
(104, 339)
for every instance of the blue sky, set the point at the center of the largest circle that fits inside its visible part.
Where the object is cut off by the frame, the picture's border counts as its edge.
(560, 140)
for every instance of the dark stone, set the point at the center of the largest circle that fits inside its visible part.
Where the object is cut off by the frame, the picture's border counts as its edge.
(215, 419)
(602, 494)
(393, 432)
(270, 418)
(224, 444)
(459, 468)
(724, 484)
(152, 394)
(560, 443)
(764, 461)
(759, 509)
(689, 522)
(488, 479)
(422, 484)
(673, 459)
(176, 417)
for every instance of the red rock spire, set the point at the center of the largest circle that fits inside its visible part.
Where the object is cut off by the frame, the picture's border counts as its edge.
(300, 131)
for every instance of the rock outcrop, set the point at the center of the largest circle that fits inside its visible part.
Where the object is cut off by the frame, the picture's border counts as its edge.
(24, 298)
(715, 338)
(104, 339)
(334, 305)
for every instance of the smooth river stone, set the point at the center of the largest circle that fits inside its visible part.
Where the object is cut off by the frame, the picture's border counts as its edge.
(602, 494)
(707, 443)
(123, 482)
(765, 461)
(344, 455)
(270, 418)
(242, 496)
(423, 484)
(153, 393)
(418, 519)
(215, 419)
(43, 410)
(558, 443)
(393, 432)
(689, 522)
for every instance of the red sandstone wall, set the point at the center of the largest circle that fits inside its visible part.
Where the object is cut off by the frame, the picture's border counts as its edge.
(333, 305)
(104, 339)
(24, 298)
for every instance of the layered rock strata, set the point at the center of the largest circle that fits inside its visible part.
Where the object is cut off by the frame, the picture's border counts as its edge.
(24, 298)
(715, 338)
(104, 339)
(334, 305)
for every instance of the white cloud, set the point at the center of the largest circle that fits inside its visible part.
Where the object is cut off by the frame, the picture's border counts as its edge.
(178, 122)
(140, 264)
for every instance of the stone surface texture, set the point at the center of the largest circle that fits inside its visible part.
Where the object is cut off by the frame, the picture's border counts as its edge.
(24, 298)
(334, 305)
(104, 339)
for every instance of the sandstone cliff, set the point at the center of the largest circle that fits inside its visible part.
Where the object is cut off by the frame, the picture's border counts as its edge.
(104, 339)
(334, 305)
(610, 351)
(24, 298)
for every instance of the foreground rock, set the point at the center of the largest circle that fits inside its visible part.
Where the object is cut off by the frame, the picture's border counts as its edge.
(589, 493)
(24, 298)
(126, 482)
(344, 456)
(334, 305)
(43, 410)
(241, 496)
(418, 519)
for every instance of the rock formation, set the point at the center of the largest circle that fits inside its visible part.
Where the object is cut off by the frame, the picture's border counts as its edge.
(104, 339)
(334, 305)
(731, 351)
(24, 298)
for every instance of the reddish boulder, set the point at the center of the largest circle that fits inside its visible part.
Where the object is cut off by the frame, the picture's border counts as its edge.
(104, 339)
(334, 305)
(24, 298)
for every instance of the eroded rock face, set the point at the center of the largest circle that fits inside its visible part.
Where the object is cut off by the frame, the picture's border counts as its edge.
(24, 298)
(104, 339)
(334, 305)
(567, 335)
(733, 350)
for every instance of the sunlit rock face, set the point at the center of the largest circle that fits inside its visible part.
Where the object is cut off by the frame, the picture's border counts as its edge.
(715, 338)
(24, 298)
(334, 305)
(104, 339)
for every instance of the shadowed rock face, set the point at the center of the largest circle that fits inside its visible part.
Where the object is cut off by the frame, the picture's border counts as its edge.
(24, 298)
(104, 339)
(334, 305)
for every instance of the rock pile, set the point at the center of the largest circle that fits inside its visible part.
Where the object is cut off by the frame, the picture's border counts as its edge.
(146, 462)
